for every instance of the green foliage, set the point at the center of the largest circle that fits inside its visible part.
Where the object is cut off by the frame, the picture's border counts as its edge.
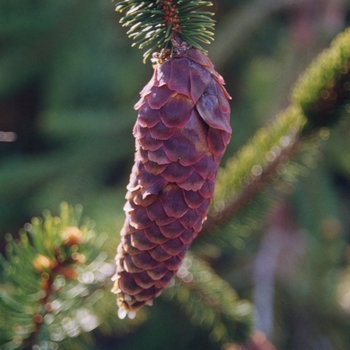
(157, 22)
(56, 282)
(318, 100)
(210, 302)
(53, 278)
(324, 88)
(258, 155)
(68, 81)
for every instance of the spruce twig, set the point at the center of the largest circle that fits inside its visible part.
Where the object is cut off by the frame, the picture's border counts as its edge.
(156, 23)
(52, 281)
(318, 100)
(248, 172)
(210, 302)
(324, 88)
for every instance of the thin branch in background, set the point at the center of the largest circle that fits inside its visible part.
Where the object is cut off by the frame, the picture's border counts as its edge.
(8, 136)
(279, 238)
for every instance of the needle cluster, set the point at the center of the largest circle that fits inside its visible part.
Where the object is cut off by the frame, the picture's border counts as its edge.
(155, 23)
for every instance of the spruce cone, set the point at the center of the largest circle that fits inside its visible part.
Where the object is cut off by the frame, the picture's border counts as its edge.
(181, 132)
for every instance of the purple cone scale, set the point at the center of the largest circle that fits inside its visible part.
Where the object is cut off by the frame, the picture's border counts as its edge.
(182, 130)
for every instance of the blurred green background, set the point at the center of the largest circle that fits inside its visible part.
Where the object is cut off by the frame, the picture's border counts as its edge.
(68, 83)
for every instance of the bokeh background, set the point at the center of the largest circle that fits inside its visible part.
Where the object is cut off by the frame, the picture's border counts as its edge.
(68, 82)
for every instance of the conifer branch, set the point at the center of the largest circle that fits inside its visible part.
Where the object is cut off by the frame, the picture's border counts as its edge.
(53, 280)
(254, 165)
(318, 100)
(210, 302)
(324, 89)
(156, 23)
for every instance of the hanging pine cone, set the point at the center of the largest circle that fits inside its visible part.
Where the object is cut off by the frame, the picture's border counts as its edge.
(181, 132)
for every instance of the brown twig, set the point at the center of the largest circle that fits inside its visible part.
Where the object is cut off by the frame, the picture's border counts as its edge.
(58, 266)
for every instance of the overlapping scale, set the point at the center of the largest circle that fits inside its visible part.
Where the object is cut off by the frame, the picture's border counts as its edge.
(181, 133)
